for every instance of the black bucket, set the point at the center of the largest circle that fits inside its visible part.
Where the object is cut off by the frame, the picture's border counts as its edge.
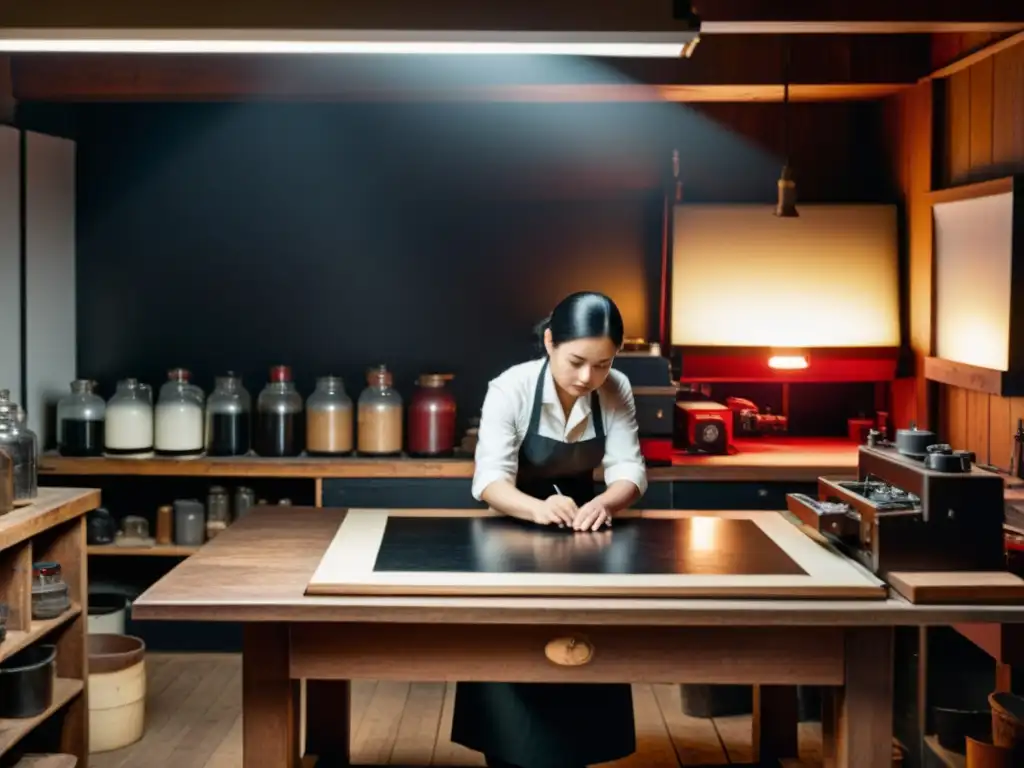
(26, 682)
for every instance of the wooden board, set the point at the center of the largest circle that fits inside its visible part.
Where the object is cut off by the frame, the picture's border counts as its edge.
(960, 587)
(538, 562)
(761, 459)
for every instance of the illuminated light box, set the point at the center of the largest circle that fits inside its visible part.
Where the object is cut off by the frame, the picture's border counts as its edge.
(753, 294)
(978, 275)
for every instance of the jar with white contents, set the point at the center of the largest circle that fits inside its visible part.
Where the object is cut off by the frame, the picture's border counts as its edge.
(128, 423)
(179, 420)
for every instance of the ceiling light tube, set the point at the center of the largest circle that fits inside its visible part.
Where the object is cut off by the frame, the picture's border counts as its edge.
(396, 42)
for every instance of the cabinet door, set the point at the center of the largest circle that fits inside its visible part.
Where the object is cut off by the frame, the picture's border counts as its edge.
(400, 493)
(736, 495)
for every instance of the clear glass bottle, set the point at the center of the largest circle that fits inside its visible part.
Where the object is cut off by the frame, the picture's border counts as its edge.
(218, 511)
(278, 416)
(228, 418)
(380, 415)
(178, 417)
(80, 418)
(22, 446)
(128, 426)
(329, 418)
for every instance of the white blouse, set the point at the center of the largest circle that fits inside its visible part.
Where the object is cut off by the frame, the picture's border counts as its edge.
(506, 416)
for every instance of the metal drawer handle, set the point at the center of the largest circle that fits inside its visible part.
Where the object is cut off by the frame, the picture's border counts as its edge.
(569, 651)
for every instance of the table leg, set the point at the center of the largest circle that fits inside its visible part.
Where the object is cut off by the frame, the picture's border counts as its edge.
(857, 719)
(328, 719)
(775, 723)
(270, 733)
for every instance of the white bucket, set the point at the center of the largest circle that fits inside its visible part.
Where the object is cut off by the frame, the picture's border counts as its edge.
(107, 613)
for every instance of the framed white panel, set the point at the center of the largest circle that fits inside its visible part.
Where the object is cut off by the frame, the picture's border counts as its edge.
(50, 279)
(348, 565)
(973, 258)
(10, 261)
(742, 277)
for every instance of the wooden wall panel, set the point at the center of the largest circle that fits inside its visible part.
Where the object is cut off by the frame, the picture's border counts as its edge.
(909, 128)
(983, 138)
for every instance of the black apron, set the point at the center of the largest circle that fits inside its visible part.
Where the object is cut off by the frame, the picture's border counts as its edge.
(549, 725)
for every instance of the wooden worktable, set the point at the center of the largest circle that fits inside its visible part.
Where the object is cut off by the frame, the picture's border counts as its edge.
(256, 572)
(788, 459)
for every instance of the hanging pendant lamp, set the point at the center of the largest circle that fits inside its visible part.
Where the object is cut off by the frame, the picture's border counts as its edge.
(786, 205)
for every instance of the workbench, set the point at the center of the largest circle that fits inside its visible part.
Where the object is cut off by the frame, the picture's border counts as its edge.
(259, 570)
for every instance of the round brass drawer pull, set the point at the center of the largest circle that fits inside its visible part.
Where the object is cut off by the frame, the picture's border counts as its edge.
(569, 651)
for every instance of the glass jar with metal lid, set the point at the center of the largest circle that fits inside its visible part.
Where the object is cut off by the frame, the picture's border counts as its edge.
(128, 427)
(329, 418)
(228, 418)
(80, 420)
(21, 445)
(178, 417)
(278, 408)
(380, 415)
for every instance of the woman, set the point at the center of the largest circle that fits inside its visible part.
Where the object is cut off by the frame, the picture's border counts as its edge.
(546, 425)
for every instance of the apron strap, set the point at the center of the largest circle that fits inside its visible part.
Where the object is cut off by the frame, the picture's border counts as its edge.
(538, 396)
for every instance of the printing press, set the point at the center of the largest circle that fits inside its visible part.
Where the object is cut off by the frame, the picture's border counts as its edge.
(916, 505)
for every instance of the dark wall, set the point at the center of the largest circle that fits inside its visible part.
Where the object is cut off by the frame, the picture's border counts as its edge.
(429, 237)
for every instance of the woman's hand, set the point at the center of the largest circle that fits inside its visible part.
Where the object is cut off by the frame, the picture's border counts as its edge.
(592, 516)
(560, 510)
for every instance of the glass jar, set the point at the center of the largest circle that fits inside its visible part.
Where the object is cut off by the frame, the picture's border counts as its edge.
(128, 426)
(228, 418)
(329, 418)
(432, 416)
(245, 498)
(20, 443)
(178, 422)
(6, 482)
(80, 417)
(278, 411)
(380, 415)
(218, 511)
(189, 523)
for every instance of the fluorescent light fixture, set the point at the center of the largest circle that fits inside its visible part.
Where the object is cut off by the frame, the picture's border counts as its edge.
(400, 42)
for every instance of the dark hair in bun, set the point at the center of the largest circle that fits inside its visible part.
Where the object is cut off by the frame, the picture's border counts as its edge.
(583, 315)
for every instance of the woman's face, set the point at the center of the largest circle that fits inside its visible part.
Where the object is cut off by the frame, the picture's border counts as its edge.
(581, 366)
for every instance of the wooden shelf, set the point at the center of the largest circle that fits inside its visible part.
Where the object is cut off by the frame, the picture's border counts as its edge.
(302, 467)
(159, 550)
(17, 640)
(14, 730)
(973, 377)
(767, 459)
(53, 506)
(51, 529)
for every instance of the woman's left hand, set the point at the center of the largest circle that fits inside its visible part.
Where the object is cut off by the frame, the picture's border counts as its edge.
(592, 516)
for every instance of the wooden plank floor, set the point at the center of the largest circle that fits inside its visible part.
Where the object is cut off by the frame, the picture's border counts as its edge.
(193, 720)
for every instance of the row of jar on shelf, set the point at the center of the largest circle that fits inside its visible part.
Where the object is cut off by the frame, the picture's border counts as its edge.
(184, 423)
(185, 523)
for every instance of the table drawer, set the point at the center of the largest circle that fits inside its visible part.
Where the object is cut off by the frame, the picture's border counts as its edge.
(524, 653)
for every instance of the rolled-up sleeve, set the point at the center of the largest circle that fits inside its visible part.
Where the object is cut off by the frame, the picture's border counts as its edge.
(622, 457)
(497, 448)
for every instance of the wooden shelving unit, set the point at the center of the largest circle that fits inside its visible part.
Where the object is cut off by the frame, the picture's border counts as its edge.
(51, 529)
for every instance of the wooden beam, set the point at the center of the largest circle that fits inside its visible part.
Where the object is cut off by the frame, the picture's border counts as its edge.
(720, 16)
(974, 57)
